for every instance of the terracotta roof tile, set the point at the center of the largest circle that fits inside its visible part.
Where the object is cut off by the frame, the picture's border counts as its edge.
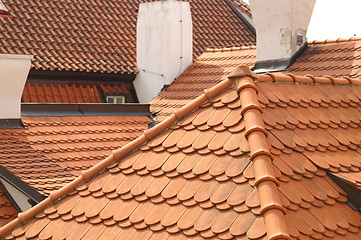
(277, 188)
(100, 36)
(336, 58)
(242, 6)
(211, 67)
(329, 59)
(166, 187)
(7, 210)
(53, 150)
(70, 93)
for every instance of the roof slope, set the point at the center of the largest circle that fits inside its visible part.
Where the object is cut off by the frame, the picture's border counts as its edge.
(52, 151)
(70, 93)
(211, 67)
(314, 131)
(242, 6)
(336, 58)
(177, 185)
(208, 172)
(99, 36)
(339, 58)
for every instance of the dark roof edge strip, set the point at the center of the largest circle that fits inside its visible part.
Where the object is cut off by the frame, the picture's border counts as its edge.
(354, 193)
(84, 109)
(80, 76)
(10, 198)
(280, 64)
(11, 124)
(20, 185)
(239, 15)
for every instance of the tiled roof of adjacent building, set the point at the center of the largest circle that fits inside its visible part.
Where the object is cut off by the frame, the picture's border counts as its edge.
(336, 58)
(52, 151)
(242, 6)
(248, 159)
(210, 68)
(70, 93)
(100, 36)
(7, 211)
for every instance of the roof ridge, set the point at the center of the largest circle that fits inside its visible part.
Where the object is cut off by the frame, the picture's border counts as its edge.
(229, 49)
(308, 79)
(265, 177)
(338, 40)
(149, 134)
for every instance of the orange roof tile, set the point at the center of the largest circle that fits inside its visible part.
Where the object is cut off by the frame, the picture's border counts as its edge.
(100, 36)
(70, 93)
(60, 93)
(51, 151)
(242, 6)
(336, 58)
(211, 67)
(240, 161)
(7, 211)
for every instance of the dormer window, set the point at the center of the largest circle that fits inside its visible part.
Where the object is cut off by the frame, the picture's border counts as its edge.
(116, 99)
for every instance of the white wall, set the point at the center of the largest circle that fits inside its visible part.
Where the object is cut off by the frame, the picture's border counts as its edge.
(20, 198)
(14, 70)
(164, 45)
(277, 24)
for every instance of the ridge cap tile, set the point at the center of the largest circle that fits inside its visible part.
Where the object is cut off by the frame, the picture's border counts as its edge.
(271, 206)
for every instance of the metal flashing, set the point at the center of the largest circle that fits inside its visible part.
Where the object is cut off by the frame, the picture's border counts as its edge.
(11, 124)
(20, 185)
(354, 193)
(239, 15)
(84, 109)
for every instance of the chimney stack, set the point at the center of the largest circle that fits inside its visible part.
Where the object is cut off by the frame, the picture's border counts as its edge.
(164, 45)
(14, 70)
(281, 27)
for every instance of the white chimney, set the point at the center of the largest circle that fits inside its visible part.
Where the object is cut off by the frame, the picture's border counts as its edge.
(14, 70)
(164, 45)
(281, 27)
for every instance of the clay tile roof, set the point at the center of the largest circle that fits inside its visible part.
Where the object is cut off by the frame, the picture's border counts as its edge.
(60, 93)
(337, 58)
(242, 6)
(211, 67)
(247, 159)
(52, 151)
(3, 10)
(69, 93)
(7, 211)
(94, 36)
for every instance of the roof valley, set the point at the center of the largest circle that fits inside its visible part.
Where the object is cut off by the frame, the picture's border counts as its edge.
(265, 178)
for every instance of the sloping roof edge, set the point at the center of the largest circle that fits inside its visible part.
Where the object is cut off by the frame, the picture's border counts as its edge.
(243, 80)
(20, 185)
(338, 40)
(119, 153)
